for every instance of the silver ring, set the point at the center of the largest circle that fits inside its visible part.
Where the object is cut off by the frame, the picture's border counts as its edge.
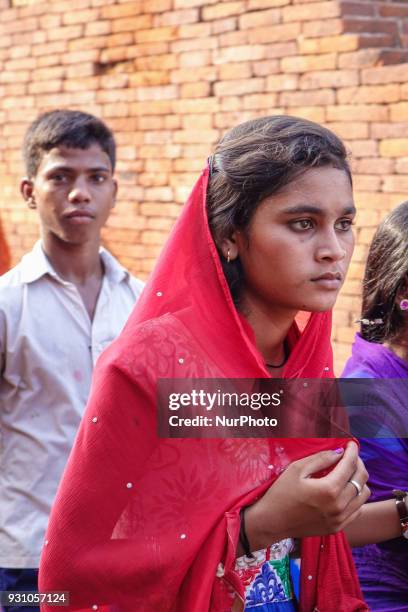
(356, 485)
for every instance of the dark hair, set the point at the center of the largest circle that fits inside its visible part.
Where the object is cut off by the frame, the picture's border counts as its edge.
(65, 127)
(255, 160)
(385, 276)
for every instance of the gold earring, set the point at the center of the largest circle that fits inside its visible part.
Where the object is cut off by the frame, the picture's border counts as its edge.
(228, 256)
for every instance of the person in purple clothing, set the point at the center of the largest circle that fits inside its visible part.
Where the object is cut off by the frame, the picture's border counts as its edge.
(380, 351)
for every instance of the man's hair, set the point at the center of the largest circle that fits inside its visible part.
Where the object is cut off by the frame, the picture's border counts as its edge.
(255, 160)
(73, 129)
(385, 278)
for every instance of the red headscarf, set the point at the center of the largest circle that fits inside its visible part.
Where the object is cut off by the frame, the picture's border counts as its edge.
(142, 523)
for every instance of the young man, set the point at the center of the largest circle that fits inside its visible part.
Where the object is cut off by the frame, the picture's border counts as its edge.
(59, 308)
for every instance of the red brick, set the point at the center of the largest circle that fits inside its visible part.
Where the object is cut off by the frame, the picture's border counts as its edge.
(167, 92)
(357, 112)
(329, 44)
(300, 98)
(395, 147)
(329, 78)
(142, 22)
(65, 7)
(193, 44)
(254, 5)
(266, 67)
(259, 102)
(223, 9)
(386, 74)
(313, 11)
(195, 59)
(186, 75)
(280, 50)
(114, 11)
(195, 90)
(203, 105)
(305, 63)
(195, 30)
(200, 136)
(46, 86)
(25, 63)
(259, 19)
(98, 28)
(328, 27)
(166, 61)
(239, 87)
(401, 165)
(371, 26)
(49, 73)
(373, 166)
(75, 16)
(19, 25)
(176, 18)
(369, 94)
(364, 148)
(153, 107)
(158, 6)
(83, 84)
(65, 33)
(49, 48)
(391, 130)
(88, 42)
(195, 121)
(276, 33)
(233, 39)
(242, 70)
(313, 113)
(357, 8)
(395, 184)
(239, 54)
(351, 130)
(359, 59)
(282, 82)
(75, 57)
(220, 26)
(393, 10)
(156, 35)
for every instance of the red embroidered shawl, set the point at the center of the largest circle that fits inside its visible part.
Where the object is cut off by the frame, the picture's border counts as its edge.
(142, 523)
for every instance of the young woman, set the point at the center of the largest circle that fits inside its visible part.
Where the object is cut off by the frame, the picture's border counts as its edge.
(381, 352)
(145, 523)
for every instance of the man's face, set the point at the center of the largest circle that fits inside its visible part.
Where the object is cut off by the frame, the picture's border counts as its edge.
(74, 192)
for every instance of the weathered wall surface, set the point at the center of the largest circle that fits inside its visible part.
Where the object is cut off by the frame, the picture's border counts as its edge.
(169, 76)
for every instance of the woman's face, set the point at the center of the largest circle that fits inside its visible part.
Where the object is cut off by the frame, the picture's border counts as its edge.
(298, 246)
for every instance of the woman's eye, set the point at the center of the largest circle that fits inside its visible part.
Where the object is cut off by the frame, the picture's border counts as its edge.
(302, 224)
(344, 224)
(98, 178)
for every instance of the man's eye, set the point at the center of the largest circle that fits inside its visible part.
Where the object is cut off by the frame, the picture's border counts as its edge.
(58, 178)
(302, 224)
(344, 224)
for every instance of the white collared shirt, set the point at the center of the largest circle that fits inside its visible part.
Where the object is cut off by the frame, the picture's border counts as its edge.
(48, 348)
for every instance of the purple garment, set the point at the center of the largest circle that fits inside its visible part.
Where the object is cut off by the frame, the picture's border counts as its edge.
(382, 568)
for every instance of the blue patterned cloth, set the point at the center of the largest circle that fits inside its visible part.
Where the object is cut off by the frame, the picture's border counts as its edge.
(267, 579)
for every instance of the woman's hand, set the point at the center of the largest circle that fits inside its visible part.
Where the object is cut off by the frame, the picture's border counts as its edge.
(298, 505)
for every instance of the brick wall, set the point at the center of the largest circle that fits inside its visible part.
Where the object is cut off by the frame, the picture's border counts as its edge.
(169, 76)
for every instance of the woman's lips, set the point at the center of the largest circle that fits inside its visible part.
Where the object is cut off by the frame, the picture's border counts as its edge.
(328, 280)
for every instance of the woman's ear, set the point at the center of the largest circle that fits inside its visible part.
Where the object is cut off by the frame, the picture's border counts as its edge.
(229, 248)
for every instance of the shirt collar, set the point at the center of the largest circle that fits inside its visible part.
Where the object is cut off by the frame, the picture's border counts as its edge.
(36, 264)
